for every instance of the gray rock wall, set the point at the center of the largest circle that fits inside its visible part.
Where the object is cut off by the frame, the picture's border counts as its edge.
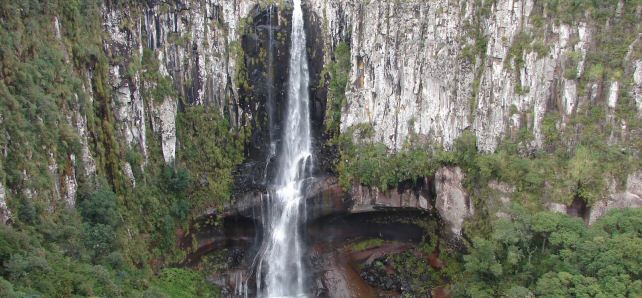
(194, 42)
(409, 78)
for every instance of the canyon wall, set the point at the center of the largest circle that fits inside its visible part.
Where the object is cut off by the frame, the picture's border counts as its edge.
(432, 69)
(420, 71)
(131, 67)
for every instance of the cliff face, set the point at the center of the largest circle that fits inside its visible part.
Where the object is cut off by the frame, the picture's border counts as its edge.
(131, 68)
(195, 43)
(421, 68)
(419, 71)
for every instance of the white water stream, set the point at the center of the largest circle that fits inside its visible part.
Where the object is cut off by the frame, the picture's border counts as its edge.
(279, 264)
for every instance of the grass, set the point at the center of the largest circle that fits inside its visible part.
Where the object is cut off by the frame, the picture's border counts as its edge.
(367, 244)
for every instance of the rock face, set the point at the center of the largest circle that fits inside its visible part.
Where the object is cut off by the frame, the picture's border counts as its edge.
(416, 71)
(195, 45)
(637, 90)
(410, 75)
(406, 75)
(366, 199)
(630, 198)
(5, 213)
(452, 201)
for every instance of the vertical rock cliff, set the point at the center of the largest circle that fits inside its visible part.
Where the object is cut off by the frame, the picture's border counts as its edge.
(433, 69)
(137, 65)
(419, 72)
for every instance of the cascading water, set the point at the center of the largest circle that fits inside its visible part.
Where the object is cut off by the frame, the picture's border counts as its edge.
(270, 92)
(279, 268)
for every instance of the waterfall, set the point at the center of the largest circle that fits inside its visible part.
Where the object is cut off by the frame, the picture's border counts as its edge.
(280, 269)
(270, 93)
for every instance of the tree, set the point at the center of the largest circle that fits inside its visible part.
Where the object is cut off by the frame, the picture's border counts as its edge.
(553, 255)
(6, 289)
(100, 208)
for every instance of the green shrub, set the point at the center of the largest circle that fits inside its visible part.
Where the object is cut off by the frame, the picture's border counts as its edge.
(100, 208)
(175, 282)
(211, 150)
(339, 72)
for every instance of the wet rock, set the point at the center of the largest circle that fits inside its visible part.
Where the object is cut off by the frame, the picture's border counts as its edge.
(381, 274)
(365, 199)
(325, 197)
(340, 280)
(235, 256)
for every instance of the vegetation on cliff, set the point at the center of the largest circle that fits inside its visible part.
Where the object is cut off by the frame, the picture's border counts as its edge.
(55, 74)
(338, 72)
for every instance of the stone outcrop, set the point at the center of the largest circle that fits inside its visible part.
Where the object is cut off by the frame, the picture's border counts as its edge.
(367, 199)
(631, 197)
(324, 197)
(557, 207)
(637, 90)
(499, 198)
(5, 213)
(452, 201)
(164, 124)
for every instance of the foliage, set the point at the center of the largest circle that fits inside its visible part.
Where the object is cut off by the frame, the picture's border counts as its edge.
(551, 254)
(53, 259)
(100, 208)
(211, 150)
(370, 164)
(161, 85)
(339, 72)
(186, 283)
(50, 81)
(414, 270)
(87, 252)
(367, 244)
